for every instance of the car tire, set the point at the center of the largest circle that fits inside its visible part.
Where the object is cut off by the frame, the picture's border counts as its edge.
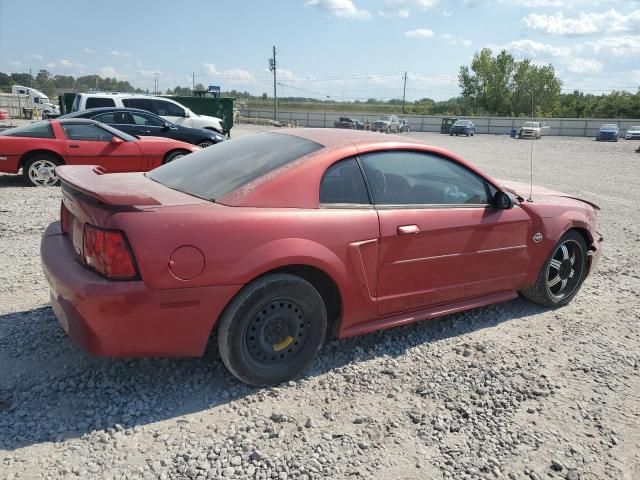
(39, 170)
(388, 130)
(174, 155)
(451, 134)
(272, 330)
(562, 274)
(468, 134)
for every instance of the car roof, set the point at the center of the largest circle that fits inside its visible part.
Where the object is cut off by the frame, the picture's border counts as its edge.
(107, 109)
(75, 121)
(333, 137)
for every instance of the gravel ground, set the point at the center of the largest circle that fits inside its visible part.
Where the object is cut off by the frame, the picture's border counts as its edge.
(508, 391)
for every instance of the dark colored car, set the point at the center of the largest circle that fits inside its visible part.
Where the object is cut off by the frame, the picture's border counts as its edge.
(608, 132)
(274, 238)
(142, 123)
(349, 123)
(463, 127)
(447, 122)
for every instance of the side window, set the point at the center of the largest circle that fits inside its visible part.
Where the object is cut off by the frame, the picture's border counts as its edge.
(86, 132)
(36, 99)
(117, 118)
(146, 120)
(168, 109)
(141, 103)
(31, 130)
(343, 183)
(97, 102)
(412, 178)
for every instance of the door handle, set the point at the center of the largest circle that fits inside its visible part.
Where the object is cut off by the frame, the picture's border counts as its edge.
(408, 229)
(146, 131)
(74, 146)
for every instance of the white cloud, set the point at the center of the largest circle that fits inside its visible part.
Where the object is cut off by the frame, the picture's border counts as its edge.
(400, 13)
(235, 75)
(532, 49)
(69, 64)
(340, 8)
(619, 46)
(583, 65)
(585, 23)
(88, 51)
(117, 53)
(453, 40)
(113, 73)
(36, 56)
(422, 4)
(15, 63)
(51, 65)
(420, 33)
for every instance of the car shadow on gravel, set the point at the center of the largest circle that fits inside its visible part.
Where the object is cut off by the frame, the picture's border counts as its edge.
(11, 181)
(52, 391)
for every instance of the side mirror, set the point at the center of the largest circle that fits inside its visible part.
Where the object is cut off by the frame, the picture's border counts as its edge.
(116, 140)
(166, 127)
(504, 200)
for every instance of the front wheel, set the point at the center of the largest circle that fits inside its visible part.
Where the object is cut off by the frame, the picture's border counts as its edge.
(171, 156)
(39, 171)
(562, 274)
(272, 330)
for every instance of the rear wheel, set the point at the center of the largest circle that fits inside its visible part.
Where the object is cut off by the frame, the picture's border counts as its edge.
(39, 171)
(562, 274)
(171, 156)
(272, 330)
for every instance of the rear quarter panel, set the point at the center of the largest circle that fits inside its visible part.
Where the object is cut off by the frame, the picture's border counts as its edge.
(13, 149)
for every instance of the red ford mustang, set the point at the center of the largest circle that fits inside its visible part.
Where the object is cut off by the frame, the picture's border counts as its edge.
(276, 237)
(39, 147)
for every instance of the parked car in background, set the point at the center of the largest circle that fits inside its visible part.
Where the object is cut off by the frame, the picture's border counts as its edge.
(141, 123)
(446, 124)
(463, 127)
(39, 147)
(164, 107)
(259, 258)
(4, 115)
(633, 133)
(531, 130)
(388, 124)
(608, 132)
(404, 126)
(348, 123)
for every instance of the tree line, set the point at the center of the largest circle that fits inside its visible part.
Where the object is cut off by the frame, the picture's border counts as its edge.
(492, 85)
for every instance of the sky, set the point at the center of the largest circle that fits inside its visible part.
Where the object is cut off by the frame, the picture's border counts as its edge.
(336, 49)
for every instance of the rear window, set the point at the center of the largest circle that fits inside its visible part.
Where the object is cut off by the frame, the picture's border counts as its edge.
(97, 102)
(33, 130)
(213, 172)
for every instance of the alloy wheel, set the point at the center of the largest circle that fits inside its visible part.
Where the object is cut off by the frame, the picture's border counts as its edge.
(42, 173)
(565, 269)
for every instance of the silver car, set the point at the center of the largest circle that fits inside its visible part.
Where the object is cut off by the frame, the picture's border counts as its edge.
(388, 124)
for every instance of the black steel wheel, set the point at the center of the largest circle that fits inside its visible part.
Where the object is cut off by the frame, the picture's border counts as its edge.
(272, 330)
(562, 274)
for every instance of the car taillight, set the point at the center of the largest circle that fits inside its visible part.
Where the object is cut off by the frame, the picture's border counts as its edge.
(108, 253)
(65, 218)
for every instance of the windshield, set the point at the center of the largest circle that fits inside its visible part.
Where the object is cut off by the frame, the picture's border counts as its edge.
(463, 123)
(609, 126)
(385, 119)
(213, 172)
(637, 127)
(530, 124)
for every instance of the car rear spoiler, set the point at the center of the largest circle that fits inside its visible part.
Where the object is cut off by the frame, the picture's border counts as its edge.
(110, 189)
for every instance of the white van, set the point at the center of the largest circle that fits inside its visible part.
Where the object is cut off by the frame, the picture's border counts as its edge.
(36, 99)
(168, 109)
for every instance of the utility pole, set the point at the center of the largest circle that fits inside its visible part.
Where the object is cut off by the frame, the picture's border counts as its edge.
(273, 67)
(193, 83)
(404, 90)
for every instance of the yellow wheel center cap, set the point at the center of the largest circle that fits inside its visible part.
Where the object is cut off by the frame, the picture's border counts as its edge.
(283, 344)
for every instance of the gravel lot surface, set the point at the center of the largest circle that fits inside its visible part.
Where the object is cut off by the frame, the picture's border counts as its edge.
(508, 391)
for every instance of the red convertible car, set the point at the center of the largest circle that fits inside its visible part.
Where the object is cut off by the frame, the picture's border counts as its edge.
(275, 238)
(39, 147)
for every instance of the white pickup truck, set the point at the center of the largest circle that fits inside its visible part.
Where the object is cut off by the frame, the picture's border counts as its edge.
(532, 130)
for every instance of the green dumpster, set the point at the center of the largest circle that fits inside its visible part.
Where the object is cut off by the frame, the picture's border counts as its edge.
(220, 107)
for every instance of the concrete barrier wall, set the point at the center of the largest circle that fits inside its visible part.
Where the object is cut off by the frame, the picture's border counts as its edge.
(571, 127)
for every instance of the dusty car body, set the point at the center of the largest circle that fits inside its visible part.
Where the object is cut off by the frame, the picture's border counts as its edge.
(348, 123)
(327, 230)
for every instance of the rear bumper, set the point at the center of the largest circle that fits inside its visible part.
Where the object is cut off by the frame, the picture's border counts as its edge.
(127, 318)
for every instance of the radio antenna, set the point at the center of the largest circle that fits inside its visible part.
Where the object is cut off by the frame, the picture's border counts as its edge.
(530, 199)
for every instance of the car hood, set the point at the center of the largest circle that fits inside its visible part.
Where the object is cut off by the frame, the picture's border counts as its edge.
(607, 130)
(523, 190)
(145, 142)
(382, 121)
